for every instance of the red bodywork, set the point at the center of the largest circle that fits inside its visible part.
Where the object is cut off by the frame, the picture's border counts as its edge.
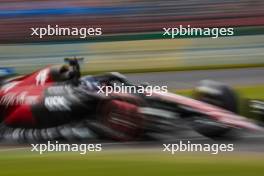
(19, 94)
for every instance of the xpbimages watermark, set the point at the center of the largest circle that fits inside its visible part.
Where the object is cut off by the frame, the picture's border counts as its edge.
(56, 30)
(195, 31)
(131, 89)
(188, 146)
(59, 147)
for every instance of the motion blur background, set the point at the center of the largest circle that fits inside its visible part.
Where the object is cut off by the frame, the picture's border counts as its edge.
(132, 34)
(132, 41)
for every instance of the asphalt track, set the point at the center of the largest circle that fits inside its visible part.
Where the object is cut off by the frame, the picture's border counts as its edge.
(189, 79)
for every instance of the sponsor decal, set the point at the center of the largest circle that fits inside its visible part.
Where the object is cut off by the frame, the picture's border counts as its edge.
(57, 103)
(13, 99)
(42, 77)
(5, 88)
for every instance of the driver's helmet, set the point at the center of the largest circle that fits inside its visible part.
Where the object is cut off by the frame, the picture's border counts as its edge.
(89, 83)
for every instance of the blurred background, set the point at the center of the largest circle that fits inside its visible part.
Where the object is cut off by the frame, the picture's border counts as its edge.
(132, 38)
(132, 42)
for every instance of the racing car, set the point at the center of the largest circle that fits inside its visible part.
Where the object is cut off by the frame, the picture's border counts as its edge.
(56, 102)
(257, 105)
(255, 109)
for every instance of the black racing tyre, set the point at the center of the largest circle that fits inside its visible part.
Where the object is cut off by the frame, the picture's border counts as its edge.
(210, 128)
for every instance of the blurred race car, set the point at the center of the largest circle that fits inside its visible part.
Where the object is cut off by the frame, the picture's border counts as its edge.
(256, 109)
(57, 103)
(257, 106)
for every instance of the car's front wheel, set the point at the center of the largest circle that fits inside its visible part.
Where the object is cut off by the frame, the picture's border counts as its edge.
(210, 128)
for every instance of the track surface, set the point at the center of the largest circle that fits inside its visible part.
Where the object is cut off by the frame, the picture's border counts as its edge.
(188, 79)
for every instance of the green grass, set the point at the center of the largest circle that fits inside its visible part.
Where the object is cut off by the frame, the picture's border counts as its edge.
(127, 163)
(252, 91)
(244, 93)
